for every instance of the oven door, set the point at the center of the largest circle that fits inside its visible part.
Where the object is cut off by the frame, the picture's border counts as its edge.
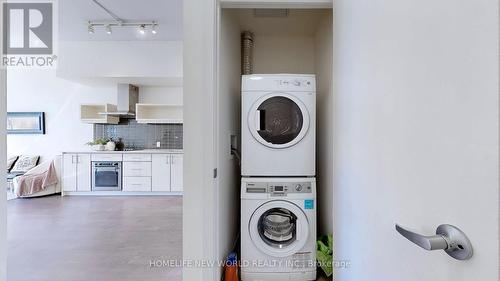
(106, 176)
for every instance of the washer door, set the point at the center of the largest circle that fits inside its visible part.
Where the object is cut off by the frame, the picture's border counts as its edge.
(278, 120)
(279, 228)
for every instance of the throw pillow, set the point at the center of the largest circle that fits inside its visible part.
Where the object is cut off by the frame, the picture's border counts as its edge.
(25, 163)
(10, 162)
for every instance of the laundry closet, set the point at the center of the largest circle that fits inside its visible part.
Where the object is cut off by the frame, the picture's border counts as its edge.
(285, 41)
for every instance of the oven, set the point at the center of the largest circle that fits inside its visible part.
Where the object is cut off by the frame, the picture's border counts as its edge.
(106, 176)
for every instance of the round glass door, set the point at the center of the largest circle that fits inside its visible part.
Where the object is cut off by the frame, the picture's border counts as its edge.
(279, 228)
(278, 120)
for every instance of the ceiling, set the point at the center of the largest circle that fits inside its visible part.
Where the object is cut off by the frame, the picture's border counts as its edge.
(74, 14)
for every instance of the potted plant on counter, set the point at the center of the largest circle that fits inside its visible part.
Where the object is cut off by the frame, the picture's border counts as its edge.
(98, 144)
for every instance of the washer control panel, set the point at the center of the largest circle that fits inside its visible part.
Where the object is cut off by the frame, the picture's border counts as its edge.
(278, 188)
(295, 82)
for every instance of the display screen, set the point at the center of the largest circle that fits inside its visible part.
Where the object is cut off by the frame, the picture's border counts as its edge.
(278, 188)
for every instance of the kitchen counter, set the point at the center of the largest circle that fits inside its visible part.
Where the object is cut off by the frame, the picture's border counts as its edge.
(143, 151)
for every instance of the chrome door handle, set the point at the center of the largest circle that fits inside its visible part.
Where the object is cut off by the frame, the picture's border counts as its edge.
(448, 238)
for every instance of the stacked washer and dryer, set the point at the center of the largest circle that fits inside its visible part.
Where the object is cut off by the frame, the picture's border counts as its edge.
(278, 185)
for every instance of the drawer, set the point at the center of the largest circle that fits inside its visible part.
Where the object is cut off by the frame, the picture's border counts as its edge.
(137, 157)
(136, 183)
(106, 157)
(136, 169)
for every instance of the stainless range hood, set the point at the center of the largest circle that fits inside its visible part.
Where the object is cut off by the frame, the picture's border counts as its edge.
(127, 98)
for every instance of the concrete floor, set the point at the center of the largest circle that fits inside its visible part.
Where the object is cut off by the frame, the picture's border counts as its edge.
(93, 238)
(78, 238)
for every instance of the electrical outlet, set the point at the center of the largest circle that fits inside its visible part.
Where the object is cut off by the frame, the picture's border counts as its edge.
(158, 144)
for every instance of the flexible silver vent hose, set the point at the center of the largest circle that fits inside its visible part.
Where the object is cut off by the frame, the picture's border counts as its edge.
(247, 52)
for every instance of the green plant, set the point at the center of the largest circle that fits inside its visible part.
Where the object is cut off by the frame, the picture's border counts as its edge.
(102, 141)
(324, 253)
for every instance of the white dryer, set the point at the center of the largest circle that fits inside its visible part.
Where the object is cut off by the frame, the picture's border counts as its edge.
(278, 229)
(278, 125)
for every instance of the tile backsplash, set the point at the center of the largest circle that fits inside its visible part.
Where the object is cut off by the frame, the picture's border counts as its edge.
(142, 136)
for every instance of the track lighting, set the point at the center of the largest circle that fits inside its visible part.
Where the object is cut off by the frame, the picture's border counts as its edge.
(117, 22)
(108, 26)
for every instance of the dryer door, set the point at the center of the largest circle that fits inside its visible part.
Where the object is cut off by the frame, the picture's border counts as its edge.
(279, 228)
(278, 120)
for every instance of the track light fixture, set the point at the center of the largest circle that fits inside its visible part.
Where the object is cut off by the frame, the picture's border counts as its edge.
(117, 22)
(109, 26)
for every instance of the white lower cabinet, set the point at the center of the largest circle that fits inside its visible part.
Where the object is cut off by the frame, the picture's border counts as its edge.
(136, 169)
(76, 172)
(140, 172)
(176, 172)
(160, 174)
(136, 184)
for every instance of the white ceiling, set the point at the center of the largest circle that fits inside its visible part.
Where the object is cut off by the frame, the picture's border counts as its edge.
(74, 14)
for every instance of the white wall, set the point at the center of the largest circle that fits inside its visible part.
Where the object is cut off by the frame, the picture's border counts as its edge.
(120, 59)
(199, 203)
(324, 122)
(284, 54)
(160, 95)
(416, 135)
(41, 90)
(228, 123)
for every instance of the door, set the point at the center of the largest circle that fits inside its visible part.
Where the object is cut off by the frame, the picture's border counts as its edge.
(160, 174)
(279, 228)
(416, 137)
(278, 120)
(176, 181)
(83, 172)
(69, 172)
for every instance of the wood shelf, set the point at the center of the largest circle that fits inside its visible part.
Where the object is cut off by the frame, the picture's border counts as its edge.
(92, 114)
(159, 114)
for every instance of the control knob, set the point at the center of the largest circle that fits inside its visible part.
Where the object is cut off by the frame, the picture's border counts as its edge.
(298, 187)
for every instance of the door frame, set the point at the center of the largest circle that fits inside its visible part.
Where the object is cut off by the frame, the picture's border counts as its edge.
(201, 72)
(3, 155)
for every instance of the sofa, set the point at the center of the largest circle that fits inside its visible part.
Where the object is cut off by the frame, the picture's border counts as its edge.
(53, 189)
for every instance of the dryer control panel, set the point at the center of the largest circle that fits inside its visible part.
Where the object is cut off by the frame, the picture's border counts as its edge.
(279, 82)
(278, 189)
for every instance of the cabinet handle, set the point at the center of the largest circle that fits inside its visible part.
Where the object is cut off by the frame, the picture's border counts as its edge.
(172, 157)
(168, 159)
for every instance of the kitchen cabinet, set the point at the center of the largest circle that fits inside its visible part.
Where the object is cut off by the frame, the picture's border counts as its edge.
(93, 114)
(158, 113)
(141, 172)
(176, 171)
(161, 172)
(76, 172)
(137, 184)
(137, 169)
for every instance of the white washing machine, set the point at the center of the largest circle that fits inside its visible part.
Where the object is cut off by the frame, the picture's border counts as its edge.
(278, 229)
(278, 125)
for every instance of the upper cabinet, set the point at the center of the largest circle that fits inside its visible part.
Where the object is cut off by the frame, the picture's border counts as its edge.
(158, 113)
(93, 114)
